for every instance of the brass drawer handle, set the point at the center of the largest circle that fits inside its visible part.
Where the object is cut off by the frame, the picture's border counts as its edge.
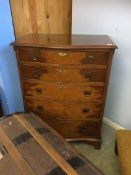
(61, 70)
(83, 130)
(85, 110)
(89, 75)
(37, 73)
(87, 93)
(61, 86)
(35, 58)
(39, 90)
(90, 59)
(38, 59)
(62, 54)
(39, 109)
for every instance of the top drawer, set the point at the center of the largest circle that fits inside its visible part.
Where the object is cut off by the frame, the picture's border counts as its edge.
(50, 56)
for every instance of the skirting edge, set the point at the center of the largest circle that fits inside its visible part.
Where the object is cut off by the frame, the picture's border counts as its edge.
(112, 124)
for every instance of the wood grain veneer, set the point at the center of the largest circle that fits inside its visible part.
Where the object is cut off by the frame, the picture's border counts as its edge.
(64, 80)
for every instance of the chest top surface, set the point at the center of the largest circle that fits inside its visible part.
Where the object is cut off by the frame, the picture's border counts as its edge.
(66, 41)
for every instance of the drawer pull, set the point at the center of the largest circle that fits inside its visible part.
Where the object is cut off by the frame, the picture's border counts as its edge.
(62, 54)
(87, 93)
(37, 73)
(83, 130)
(89, 75)
(61, 86)
(90, 59)
(39, 90)
(39, 108)
(85, 110)
(35, 58)
(61, 70)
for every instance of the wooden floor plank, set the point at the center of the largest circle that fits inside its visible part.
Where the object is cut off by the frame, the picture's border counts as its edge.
(21, 163)
(46, 146)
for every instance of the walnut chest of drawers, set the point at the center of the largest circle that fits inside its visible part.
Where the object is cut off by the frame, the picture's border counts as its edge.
(64, 81)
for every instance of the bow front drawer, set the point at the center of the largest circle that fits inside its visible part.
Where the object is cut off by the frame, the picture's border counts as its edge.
(50, 56)
(64, 74)
(65, 110)
(78, 129)
(63, 91)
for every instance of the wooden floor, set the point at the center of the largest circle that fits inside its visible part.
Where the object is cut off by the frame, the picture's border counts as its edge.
(105, 159)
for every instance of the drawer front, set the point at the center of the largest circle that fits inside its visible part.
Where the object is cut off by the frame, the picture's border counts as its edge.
(82, 111)
(63, 111)
(41, 73)
(49, 110)
(43, 90)
(83, 91)
(32, 55)
(78, 129)
(63, 91)
(64, 74)
(63, 57)
(84, 74)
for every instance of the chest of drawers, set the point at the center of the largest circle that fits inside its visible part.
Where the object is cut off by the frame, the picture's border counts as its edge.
(64, 81)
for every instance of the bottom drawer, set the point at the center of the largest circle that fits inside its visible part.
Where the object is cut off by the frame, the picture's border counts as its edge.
(78, 129)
